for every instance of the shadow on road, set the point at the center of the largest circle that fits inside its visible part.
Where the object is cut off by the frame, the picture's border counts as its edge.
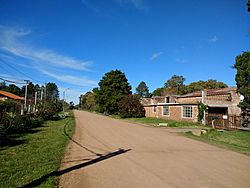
(77, 143)
(56, 173)
(103, 157)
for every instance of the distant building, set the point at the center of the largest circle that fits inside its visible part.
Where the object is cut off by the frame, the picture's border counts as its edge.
(7, 95)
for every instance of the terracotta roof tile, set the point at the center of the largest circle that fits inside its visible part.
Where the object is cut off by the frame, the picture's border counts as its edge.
(210, 92)
(10, 95)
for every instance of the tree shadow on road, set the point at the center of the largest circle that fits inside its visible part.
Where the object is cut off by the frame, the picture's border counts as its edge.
(57, 173)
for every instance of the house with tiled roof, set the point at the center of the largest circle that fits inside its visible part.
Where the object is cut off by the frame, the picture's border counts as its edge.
(7, 95)
(222, 106)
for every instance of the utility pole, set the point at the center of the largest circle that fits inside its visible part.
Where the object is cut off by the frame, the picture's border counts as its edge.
(203, 100)
(45, 91)
(41, 94)
(26, 90)
(64, 100)
(35, 101)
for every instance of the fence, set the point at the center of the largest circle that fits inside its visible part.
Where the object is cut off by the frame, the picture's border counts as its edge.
(224, 121)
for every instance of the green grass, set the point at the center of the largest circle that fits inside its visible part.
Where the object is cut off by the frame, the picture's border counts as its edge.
(235, 140)
(35, 154)
(156, 121)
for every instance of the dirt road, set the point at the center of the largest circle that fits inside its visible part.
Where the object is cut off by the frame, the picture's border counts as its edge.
(113, 153)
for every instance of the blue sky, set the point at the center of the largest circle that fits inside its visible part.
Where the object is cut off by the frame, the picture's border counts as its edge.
(75, 42)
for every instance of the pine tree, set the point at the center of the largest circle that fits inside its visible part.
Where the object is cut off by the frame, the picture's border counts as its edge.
(113, 87)
(242, 78)
(142, 89)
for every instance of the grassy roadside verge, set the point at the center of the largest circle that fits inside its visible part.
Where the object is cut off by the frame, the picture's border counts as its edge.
(35, 154)
(155, 122)
(238, 141)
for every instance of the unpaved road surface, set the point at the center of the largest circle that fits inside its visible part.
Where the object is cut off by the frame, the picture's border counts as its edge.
(148, 158)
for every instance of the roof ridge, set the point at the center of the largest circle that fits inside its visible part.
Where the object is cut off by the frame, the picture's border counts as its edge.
(11, 95)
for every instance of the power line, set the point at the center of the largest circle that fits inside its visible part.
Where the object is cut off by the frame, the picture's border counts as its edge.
(9, 72)
(11, 81)
(14, 68)
(6, 63)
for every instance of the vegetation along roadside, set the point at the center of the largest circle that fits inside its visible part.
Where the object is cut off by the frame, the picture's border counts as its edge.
(162, 122)
(236, 140)
(33, 156)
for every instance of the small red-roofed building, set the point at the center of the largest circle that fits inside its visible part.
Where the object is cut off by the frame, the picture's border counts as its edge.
(7, 95)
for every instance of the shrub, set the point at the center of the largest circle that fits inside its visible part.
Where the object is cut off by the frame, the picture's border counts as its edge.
(130, 106)
(49, 109)
(12, 123)
(6, 106)
(202, 108)
(22, 123)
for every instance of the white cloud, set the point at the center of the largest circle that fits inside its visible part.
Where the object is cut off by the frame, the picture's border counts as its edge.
(74, 80)
(10, 78)
(11, 42)
(213, 39)
(156, 55)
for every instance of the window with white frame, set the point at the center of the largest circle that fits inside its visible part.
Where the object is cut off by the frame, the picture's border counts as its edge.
(187, 111)
(165, 110)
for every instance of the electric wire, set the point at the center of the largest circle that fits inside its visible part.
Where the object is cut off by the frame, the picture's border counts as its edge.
(6, 70)
(11, 81)
(6, 63)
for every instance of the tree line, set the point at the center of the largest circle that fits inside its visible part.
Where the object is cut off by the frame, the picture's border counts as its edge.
(175, 85)
(47, 99)
(14, 118)
(49, 92)
(114, 95)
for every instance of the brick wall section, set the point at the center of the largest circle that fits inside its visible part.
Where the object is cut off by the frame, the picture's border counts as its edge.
(229, 99)
(175, 113)
(226, 97)
(233, 108)
(190, 100)
(149, 111)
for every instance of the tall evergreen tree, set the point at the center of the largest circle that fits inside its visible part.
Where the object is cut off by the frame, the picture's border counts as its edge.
(142, 89)
(52, 92)
(248, 6)
(2, 85)
(12, 88)
(113, 87)
(30, 91)
(158, 91)
(242, 78)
